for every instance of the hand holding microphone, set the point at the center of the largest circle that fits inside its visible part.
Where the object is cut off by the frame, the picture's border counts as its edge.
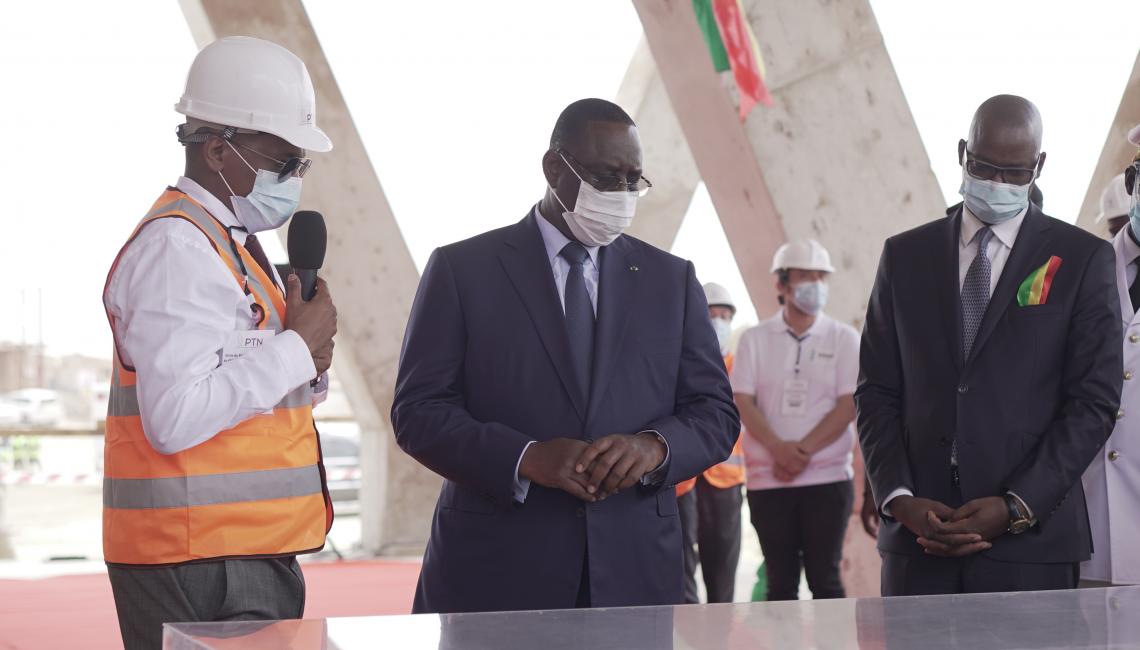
(309, 309)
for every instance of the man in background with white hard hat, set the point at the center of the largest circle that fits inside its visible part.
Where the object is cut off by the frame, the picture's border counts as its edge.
(793, 381)
(213, 477)
(1112, 480)
(710, 503)
(1114, 203)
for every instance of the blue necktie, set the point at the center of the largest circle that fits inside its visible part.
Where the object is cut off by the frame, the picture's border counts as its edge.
(579, 316)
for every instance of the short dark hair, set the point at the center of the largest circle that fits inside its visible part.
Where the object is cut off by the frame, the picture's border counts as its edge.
(572, 122)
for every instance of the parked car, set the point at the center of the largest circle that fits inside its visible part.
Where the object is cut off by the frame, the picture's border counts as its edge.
(342, 468)
(38, 407)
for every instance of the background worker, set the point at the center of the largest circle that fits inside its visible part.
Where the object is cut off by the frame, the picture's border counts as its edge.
(793, 380)
(710, 503)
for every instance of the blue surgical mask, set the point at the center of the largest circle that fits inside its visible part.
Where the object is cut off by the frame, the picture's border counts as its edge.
(1134, 209)
(723, 329)
(269, 204)
(810, 297)
(993, 202)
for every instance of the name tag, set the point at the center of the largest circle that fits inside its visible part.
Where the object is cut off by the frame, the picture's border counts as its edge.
(794, 399)
(242, 342)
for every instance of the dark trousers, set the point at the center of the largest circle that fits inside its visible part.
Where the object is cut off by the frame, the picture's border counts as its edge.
(923, 575)
(710, 532)
(803, 527)
(226, 590)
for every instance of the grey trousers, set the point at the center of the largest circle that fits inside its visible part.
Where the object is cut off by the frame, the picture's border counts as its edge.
(226, 590)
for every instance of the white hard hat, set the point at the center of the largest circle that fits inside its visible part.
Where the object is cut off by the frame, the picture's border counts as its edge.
(805, 254)
(718, 295)
(1114, 200)
(248, 83)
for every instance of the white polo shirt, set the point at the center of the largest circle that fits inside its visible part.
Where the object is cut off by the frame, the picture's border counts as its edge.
(827, 360)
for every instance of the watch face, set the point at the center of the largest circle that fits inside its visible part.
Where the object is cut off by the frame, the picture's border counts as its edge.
(1019, 526)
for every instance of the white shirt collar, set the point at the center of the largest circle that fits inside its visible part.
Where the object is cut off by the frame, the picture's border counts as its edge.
(213, 205)
(777, 323)
(1006, 232)
(555, 241)
(1128, 248)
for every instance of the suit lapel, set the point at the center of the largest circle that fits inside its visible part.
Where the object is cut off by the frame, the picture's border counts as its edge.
(948, 286)
(616, 299)
(524, 259)
(1025, 255)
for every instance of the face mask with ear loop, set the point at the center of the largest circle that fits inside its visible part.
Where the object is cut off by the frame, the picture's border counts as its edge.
(598, 217)
(271, 201)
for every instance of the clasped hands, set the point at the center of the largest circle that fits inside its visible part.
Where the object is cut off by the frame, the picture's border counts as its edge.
(592, 471)
(947, 532)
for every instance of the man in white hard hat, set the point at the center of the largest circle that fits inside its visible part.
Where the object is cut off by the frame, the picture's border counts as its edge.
(793, 381)
(213, 479)
(1112, 481)
(710, 503)
(1114, 204)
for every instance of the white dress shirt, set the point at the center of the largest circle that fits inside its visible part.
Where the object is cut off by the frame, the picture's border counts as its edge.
(1129, 250)
(176, 306)
(1000, 245)
(555, 241)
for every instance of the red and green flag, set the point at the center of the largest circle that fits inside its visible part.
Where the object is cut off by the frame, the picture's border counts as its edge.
(1034, 290)
(733, 47)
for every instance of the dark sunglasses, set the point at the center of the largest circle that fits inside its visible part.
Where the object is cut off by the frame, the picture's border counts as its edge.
(293, 167)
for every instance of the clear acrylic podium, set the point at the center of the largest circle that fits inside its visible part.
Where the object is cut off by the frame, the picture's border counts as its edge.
(1086, 618)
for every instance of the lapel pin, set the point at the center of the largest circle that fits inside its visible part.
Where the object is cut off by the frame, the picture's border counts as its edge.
(633, 268)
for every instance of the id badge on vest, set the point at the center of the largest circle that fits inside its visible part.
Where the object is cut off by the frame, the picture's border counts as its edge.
(793, 402)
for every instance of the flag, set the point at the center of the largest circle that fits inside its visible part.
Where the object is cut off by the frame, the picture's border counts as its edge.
(733, 46)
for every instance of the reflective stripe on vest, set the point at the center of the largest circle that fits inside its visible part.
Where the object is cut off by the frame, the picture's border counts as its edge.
(256, 489)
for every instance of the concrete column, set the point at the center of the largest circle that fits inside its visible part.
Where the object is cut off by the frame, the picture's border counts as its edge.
(666, 157)
(369, 269)
(837, 158)
(1115, 155)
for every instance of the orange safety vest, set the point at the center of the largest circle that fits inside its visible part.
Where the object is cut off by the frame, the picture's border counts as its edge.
(256, 490)
(728, 474)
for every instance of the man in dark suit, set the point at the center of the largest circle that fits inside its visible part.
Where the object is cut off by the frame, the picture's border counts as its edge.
(991, 375)
(562, 377)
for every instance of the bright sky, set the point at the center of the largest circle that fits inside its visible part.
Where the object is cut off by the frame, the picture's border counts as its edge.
(455, 112)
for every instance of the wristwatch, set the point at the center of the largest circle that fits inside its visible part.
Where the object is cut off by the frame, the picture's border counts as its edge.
(1019, 521)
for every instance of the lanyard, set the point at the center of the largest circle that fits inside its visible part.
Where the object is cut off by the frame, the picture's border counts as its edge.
(799, 348)
(258, 310)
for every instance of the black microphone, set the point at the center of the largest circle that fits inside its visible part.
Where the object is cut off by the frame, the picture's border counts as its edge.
(307, 241)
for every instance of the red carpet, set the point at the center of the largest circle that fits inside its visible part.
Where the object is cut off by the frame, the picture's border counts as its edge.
(78, 612)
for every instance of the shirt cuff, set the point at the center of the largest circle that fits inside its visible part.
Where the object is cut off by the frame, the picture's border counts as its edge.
(657, 475)
(522, 485)
(1024, 506)
(320, 388)
(897, 492)
(295, 357)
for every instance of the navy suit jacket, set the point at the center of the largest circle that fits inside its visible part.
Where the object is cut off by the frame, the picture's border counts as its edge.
(1030, 407)
(486, 368)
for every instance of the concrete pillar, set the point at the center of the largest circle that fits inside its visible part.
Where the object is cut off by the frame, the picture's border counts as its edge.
(837, 158)
(369, 269)
(665, 153)
(1115, 155)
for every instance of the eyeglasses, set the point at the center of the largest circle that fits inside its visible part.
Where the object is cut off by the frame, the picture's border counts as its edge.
(292, 167)
(986, 171)
(608, 182)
